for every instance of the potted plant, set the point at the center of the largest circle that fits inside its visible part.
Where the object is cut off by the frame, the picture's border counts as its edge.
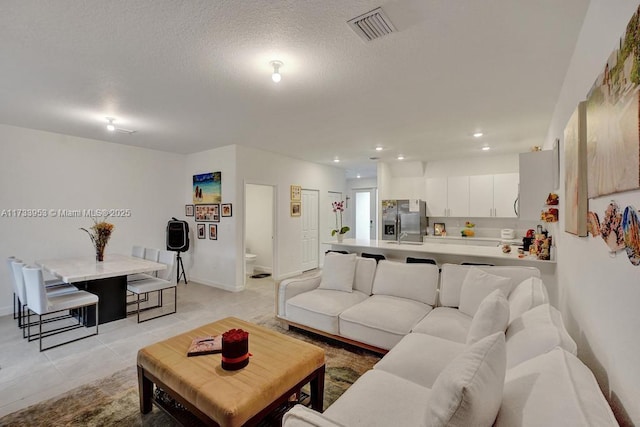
(340, 230)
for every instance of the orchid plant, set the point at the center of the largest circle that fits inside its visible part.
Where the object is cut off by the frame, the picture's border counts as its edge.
(338, 208)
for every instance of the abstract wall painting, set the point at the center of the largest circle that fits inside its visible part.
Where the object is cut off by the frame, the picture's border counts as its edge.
(613, 134)
(207, 188)
(611, 228)
(575, 154)
(631, 228)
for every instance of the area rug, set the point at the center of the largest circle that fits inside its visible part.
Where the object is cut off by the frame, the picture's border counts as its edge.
(113, 401)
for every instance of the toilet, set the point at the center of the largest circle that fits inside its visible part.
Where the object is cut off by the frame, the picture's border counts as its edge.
(249, 260)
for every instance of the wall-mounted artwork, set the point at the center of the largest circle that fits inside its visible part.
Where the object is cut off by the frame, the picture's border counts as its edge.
(226, 209)
(207, 188)
(201, 231)
(188, 210)
(213, 231)
(208, 213)
(613, 137)
(575, 181)
(296, 192)
(296, 208)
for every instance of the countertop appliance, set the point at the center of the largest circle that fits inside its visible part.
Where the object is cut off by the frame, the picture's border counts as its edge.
(507, 233)
(404, 220)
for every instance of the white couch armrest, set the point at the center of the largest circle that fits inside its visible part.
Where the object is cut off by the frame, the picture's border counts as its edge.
(289, 288)
(301, 416)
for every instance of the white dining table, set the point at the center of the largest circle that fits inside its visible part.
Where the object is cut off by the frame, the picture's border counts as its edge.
(107, 279)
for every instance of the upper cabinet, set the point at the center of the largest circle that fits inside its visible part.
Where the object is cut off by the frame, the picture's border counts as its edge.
(448, 196)
(536, 182)
(478, 196)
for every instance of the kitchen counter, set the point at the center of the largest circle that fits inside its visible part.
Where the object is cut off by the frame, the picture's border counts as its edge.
(453, 253)
(480, 241)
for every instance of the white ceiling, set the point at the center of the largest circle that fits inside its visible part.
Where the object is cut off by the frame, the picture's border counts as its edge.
(194, 75)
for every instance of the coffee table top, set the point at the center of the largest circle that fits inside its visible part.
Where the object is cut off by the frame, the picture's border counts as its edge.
(277, 364)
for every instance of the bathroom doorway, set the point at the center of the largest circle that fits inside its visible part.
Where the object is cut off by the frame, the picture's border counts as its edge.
(259, 229)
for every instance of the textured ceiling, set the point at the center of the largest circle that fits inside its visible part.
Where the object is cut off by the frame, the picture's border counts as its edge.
(194, 75)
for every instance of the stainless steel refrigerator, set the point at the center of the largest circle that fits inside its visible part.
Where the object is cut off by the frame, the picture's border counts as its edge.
(404, 220)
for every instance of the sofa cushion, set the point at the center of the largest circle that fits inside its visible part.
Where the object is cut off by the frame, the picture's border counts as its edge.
(528, 294)
(379, 398)
(445, 322)
(412, 281)
(338, 272)
(420, 358)
(381, 320)
(469, 390)
(320, 308)
(477, 285)
(365, 272)
(536, 332)
(553, 389)
(453, 275)
(492, 316)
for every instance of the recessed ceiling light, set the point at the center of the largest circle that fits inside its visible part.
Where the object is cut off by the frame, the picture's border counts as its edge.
(400, 157)
(358, 176)
(276, 77)
(477, 134)
(378, 148)
(336, 160)
(486, 148)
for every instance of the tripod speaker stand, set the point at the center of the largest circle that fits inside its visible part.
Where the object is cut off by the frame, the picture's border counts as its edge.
(180, 269)
(178, 241)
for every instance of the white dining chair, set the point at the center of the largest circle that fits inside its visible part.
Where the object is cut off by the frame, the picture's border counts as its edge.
(149, 254)
(52, 288)
(16, 301)
(164, 281)
(137, 251)
(40, 303)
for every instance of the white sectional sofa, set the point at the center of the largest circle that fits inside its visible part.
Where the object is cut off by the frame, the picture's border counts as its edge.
(470, 346)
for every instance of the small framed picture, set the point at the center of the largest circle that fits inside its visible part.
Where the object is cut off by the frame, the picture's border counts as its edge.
(208, 213)
(226, 209)
(296, 192)
(201, 231)
(188, 210)
(439, 229)
(213, 231)
(296, 208)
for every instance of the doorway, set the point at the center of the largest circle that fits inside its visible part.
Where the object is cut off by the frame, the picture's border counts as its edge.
(310, 230)
(259, 229)
(366, 214)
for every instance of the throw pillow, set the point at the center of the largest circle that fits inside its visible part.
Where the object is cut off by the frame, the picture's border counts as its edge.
(338, 272)
(476, 286)
(492, 316)
(468, 391)
(528, 294)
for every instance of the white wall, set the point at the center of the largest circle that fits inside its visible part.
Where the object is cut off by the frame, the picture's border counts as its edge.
(599, 294)
(219, 262)
(261, 167)
(259, 225)
(42, 170)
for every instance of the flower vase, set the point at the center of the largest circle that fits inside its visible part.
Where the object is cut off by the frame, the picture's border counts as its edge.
(340, 237)
(100, 254)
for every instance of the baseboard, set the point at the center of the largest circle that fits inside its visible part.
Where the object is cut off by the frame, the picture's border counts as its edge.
(216, 285)
(5, 311)
(262, 269)
(288, 275)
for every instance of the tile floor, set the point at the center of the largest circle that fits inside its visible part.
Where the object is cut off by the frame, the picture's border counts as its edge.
(28, 376)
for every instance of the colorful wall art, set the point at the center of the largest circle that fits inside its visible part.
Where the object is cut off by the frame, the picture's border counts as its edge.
(207, 188)
(613, 137)
(575, 154)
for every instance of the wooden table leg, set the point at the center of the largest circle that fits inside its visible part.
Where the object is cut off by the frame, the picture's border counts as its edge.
(145, 390)
(317, 389)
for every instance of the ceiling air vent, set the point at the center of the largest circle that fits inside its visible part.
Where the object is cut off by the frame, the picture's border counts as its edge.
(372, 25)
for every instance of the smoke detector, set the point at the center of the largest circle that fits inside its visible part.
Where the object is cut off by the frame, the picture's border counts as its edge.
(372, 25)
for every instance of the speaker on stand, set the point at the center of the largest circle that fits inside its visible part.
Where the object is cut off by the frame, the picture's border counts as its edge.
(178, 241)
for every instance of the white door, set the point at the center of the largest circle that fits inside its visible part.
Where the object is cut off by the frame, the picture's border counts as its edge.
(310, 230)
(481, 196)
(366, 214)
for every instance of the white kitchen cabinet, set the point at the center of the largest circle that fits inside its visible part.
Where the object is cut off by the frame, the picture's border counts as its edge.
(437, 196)
(481, 196)
(493, 195)
(448, 196)
(536, 182)
(458, 196)
(505, 194)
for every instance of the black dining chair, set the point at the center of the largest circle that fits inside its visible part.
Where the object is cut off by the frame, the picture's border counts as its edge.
(412, 260)
(477, 263)
(337, 252)
(377, 257)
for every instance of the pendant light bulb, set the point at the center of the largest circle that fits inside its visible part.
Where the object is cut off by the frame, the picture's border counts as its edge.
(276, 77)
(110, 126)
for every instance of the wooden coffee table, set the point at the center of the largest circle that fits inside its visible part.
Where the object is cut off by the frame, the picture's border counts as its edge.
(278, 368)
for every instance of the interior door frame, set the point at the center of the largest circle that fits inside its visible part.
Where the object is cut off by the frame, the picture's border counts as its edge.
(373, 209)
(274, 225)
